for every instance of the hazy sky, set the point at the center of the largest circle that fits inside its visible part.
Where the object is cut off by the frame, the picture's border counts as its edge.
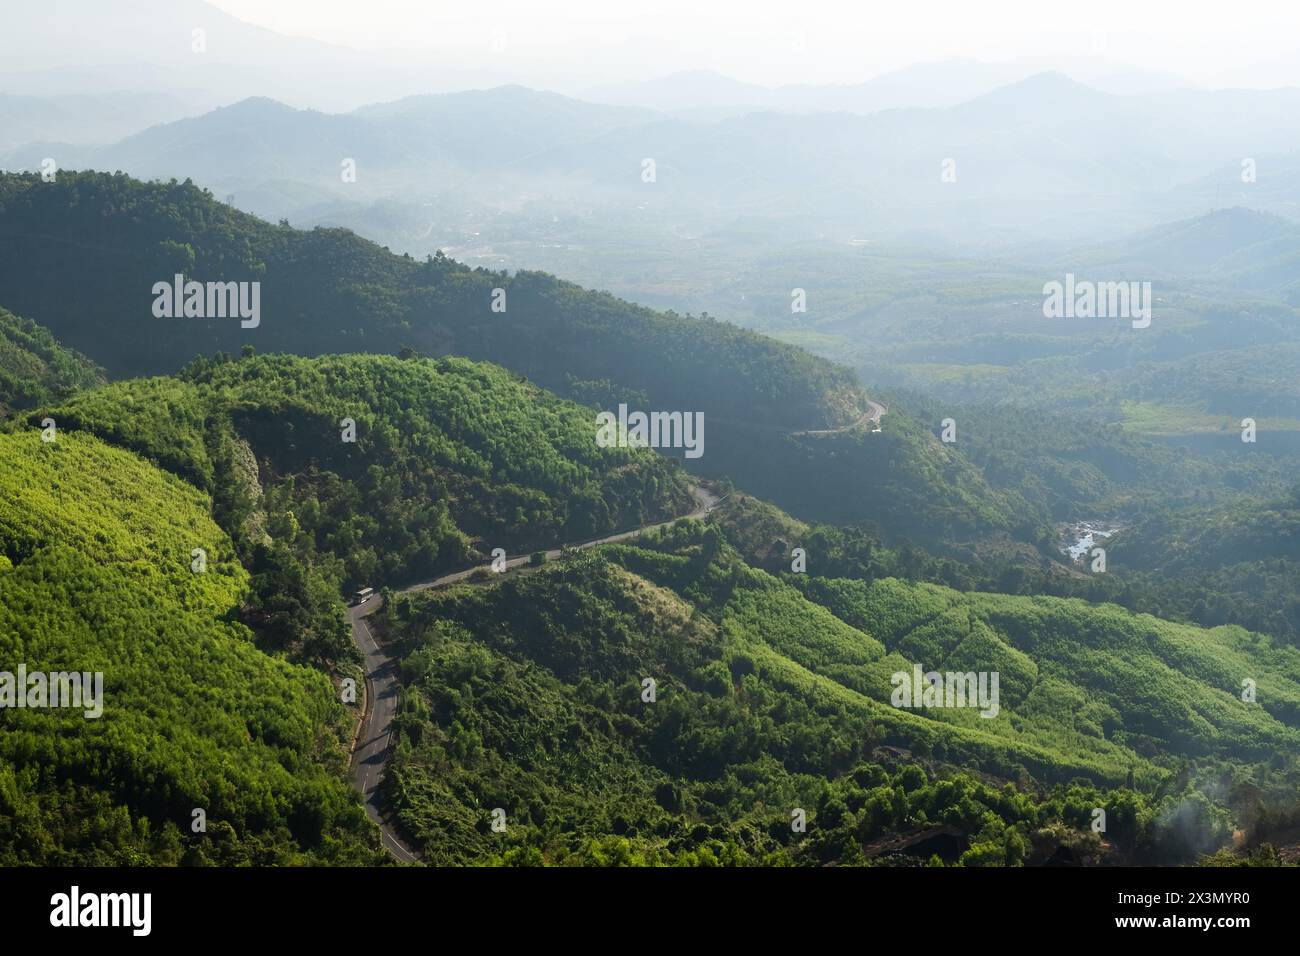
(810, 40)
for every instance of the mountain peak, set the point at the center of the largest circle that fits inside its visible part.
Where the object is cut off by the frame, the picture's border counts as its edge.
(1050, 89)
(256, 106)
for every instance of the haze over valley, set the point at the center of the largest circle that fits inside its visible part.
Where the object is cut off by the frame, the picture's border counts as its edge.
(487, 437)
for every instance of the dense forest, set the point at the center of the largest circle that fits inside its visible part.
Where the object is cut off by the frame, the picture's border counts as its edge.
(1236, 561)
(451, 459)
(97, 573)
(34, 368)
(301, 476)
(1258, 594)
(328, 290)
(244, 461)
(770, 699)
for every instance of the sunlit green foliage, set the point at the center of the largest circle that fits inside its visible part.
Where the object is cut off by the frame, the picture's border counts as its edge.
(530, 696)
(99, 576)
(328, 290)
(451, 459)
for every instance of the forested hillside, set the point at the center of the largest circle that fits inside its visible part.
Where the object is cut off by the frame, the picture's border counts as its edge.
(771, 698)
(97, 545)
(97, 574)
(772, 688)
(303, 476)
(439, 441)
(451, 459)
(34, 368)
(328, 290)
(1238, 561)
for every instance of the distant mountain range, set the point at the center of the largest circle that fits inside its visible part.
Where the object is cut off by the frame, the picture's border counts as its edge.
(923, 85)
(993, 153)
(1042, 157)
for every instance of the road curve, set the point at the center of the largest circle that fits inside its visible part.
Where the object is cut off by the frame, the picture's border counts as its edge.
(872, 415)
(373, 745)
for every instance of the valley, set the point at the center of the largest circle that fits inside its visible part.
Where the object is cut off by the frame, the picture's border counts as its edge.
(353, 452)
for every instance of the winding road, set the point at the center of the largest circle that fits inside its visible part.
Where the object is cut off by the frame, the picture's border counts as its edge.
(875, 411)
(373, 745)
(872, 415)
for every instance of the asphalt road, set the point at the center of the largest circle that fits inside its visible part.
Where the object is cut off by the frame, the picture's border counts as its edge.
(370, 753)
(374, 739)
(873, 414)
